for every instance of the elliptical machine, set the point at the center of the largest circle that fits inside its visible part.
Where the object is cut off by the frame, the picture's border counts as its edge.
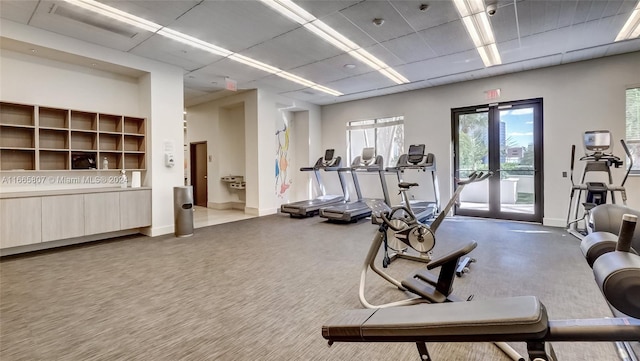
(599, 158)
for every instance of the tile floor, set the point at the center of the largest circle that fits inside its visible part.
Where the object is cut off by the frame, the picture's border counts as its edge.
(203, 217)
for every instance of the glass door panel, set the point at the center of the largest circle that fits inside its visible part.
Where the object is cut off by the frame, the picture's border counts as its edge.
(473, 151)
(506, 139)
(517, 149)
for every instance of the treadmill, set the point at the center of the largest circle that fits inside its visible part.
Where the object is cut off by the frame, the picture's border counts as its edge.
(353, 211)
(311, 207)
(416, 159)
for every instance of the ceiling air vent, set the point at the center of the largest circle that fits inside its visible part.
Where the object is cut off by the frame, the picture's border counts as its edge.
(92, 19)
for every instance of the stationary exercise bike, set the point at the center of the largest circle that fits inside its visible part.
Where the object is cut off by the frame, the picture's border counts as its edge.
(421, 239)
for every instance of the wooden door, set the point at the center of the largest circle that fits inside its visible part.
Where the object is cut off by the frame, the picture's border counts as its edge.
(199, 173)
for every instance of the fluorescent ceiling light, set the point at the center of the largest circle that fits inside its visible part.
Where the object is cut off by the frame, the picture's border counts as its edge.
(631, 28)
(294, 12)
(477, 23)
(119, 15)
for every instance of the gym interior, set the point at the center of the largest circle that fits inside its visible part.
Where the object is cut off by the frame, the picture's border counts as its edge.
(142, 217)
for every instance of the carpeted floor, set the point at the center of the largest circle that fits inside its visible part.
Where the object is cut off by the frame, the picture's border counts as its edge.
(260, 289)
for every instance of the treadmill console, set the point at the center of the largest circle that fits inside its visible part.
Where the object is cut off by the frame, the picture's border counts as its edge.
(328, 159)
(416, 153)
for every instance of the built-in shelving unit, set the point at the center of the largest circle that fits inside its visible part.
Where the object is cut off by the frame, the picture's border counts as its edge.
(43, 138)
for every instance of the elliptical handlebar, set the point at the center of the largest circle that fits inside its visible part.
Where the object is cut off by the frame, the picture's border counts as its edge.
(630, 166)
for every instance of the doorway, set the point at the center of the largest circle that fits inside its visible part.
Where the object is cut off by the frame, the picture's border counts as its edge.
(506, 139)
(198, 158)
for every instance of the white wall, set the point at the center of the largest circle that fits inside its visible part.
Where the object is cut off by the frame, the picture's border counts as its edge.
(270, 111)
(218, 123)
(576, 97)
(157, 96)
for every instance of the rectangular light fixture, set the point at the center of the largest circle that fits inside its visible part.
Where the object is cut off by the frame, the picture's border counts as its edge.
(130, 19)
(477, 23)
(294, 12)
(631, 28)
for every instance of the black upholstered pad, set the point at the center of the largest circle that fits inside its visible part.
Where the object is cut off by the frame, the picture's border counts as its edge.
(505, 319)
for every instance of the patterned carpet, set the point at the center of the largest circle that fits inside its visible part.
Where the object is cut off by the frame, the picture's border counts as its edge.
(260, 289)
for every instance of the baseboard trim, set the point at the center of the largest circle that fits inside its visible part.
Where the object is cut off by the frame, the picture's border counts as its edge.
(226, 205)
(66, 242)
(554, 222)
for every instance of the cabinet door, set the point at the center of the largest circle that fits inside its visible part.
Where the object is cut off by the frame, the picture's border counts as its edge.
(135, 209)
(101, 212)
(20, 221)
(62, 217)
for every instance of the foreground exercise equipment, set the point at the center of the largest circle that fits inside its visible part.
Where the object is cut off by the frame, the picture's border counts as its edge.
(606, 223)
(427, 287)
(311, 207)
(519, 319)
(597, 145)
(609, 220)
(420, 238)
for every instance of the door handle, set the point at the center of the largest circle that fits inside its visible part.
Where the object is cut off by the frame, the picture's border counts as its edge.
(205, 177)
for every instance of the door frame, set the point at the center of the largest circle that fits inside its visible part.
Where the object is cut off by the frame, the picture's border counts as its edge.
(193, 165)
(493, 110)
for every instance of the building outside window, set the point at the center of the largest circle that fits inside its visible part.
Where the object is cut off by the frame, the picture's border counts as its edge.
(386, 135)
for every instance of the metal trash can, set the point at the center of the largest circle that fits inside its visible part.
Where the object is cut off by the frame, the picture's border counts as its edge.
(183, 211)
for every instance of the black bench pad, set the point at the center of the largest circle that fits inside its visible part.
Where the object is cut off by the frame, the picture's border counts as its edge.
(505, 319)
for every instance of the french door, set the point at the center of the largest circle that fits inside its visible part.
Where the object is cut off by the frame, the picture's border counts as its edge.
(506, 139)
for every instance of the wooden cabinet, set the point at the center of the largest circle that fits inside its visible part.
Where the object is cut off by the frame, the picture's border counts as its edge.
(26, 220)
(101, 212)
(44, 138)
(135, 209)
(20, 221)
(62, 217)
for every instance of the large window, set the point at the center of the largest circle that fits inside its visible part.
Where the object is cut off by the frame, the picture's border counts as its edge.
(386, 135)
(633, 126)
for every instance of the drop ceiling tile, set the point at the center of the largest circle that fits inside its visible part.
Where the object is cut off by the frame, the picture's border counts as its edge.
(226, 23)
(172, 52)
(438, 13)
(442, 66)
(360, 83)
(405, 49)
(292, 49)
(566, 13)
(229, 68)
(504, 23)
(448, 38)
(344, 26)
(323, 8)
(331, 69)
(160, 12)
(362, 16)
(17, 10)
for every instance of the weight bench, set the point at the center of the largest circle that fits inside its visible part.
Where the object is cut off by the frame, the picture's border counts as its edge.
(522, 319)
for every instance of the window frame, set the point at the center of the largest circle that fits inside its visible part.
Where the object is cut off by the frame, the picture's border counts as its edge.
(376, 124)
(632, 142)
